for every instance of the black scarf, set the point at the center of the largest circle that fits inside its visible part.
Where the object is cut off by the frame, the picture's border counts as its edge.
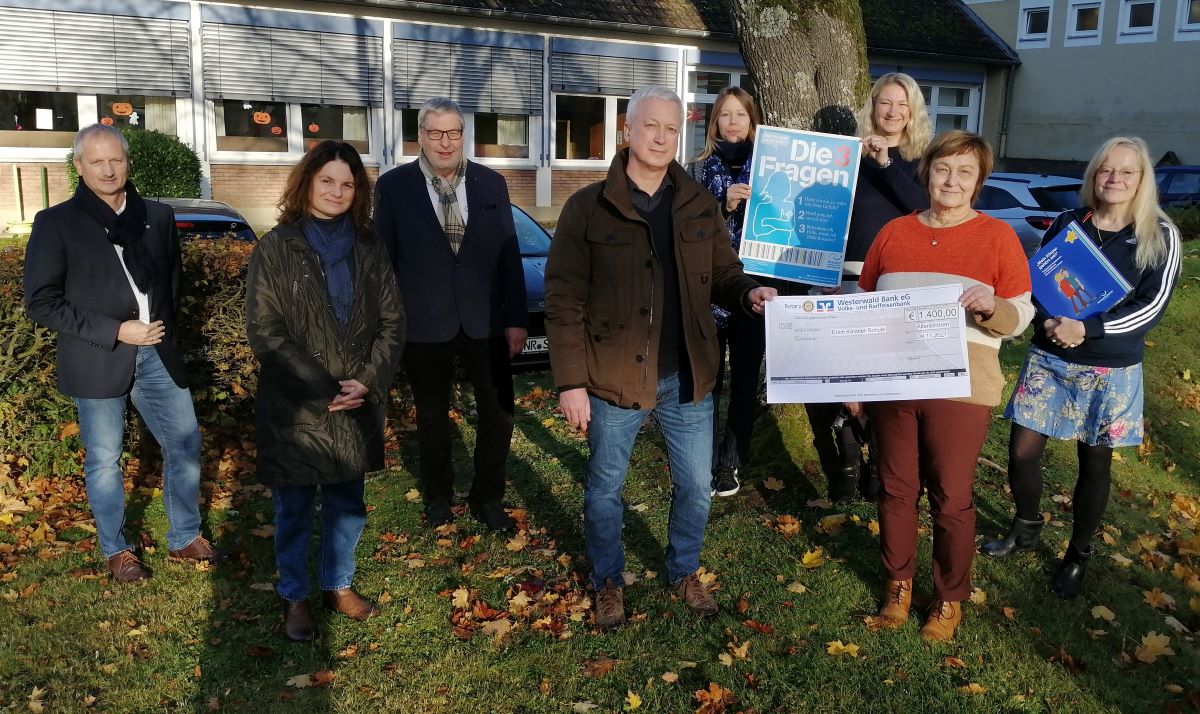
(127, 229)
(735, 155)
(333, 242)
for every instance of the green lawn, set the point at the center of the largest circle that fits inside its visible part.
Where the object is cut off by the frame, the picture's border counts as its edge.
(193, 640)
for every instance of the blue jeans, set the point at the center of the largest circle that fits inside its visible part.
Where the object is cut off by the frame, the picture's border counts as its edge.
(687, 429)
(343, 515)
(168, 412)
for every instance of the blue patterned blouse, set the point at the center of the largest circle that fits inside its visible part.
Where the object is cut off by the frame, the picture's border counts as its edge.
(713, 174)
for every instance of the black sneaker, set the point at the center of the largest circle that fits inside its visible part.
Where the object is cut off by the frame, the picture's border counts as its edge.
(725, 481)
(492, 515)
(438, 513)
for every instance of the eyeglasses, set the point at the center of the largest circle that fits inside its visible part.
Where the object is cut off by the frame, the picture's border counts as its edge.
(437, 134)
(1122, 175)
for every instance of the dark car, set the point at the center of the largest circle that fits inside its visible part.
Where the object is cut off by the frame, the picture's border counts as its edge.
(1028, 202)
(199, 218)
(1178, 186)
(535, 245)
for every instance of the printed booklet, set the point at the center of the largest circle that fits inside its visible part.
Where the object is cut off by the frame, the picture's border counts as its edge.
(1072, 278)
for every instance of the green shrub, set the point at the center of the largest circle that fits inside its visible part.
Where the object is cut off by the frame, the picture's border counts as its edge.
(38, 432)
(1188, 220)
(159, 165)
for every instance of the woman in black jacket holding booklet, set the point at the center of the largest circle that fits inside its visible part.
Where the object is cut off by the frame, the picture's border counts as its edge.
(1082, 379)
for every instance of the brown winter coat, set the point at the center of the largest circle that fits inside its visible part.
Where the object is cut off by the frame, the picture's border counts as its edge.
(304, 353)
(604, 289)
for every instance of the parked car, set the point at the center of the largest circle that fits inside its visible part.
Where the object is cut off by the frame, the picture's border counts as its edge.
(535, 246)
(1028, 202)
(1178, 186)
(198, 218)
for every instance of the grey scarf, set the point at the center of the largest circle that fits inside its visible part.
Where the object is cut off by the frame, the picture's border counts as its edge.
(450, 217)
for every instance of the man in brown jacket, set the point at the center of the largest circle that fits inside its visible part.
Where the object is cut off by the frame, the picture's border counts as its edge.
(635, 263)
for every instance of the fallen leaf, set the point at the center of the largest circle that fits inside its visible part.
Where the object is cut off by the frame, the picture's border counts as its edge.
(787, 525)
(325, 676)
(670, 677)
(640, 508)
(978, 596)
(813, 558)
(1108, 539)
(773, 484)
(836, 648)
(599, 667)
(1158, 599)
(583, 707)
(263, 531)
(300, 681)
(972, 688)
(713, 700)
(497, 629)
(822, 503)
(741, 651)
(1152, 647)
(1173, 688)
(1176, 625)
(954, 663)
(873, 527)
(726, 659)
(831, 525)
(1120, 559)
(1101, 612)
(797, 587)
(517, 542)
(632, 701)
(548, 421)
(461, 599)
(412, 495)
(259, 651)
(1009, 612)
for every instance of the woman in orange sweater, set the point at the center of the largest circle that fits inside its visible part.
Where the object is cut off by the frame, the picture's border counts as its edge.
(935, 442)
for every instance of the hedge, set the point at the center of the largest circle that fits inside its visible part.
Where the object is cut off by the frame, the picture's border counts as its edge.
(38, 431)
(160, 165)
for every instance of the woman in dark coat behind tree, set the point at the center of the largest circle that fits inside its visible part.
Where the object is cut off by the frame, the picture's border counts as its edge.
(324, 319)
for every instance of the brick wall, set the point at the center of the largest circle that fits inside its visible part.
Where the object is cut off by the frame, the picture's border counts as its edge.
(254, 190)
(522, 186)
(31, 188)
(564, 183)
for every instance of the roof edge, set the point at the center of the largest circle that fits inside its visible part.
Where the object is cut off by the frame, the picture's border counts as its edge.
(1014, 58)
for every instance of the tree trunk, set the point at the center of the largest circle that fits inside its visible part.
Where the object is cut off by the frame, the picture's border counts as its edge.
(808, 60)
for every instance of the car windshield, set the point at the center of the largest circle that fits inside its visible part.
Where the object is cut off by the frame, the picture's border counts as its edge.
(1057, 198)
(532, 237)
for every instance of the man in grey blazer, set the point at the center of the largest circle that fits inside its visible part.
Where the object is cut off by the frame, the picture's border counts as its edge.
(448, 224)
(102, 269)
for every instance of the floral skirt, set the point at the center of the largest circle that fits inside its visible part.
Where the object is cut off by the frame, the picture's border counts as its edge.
(1100, 406)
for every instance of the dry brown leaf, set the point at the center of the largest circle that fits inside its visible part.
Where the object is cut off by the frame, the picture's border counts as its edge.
(954, 663)
(599, 667)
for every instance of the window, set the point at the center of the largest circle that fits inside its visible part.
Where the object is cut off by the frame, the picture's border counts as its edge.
(1085, 23)
(38, 119)
(348, 124)
(408, 132)
(1187, 24)
(503, 136)
(579, 129)
(703, 87)
(994, 199)
(1033, 28)
(1139, 21)
(952, 106)
(251, 126)
(134, 111)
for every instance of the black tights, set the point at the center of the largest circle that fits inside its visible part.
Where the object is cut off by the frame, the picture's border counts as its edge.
(1025, 447)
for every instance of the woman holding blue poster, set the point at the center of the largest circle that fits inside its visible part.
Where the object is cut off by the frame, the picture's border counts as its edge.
(723, 167)
(1082, 379)
(895, 129)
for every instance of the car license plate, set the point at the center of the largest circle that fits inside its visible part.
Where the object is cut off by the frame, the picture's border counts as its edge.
(536, 345)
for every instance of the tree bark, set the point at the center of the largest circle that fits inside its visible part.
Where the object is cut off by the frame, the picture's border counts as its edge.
(808, 60)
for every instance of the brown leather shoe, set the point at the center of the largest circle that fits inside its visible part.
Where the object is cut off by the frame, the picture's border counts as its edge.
(298, 624)
(198, 550)
(350, 604)
(695, 596)
(610, 605)
(897, 601)
(125, 568)
(944, 618)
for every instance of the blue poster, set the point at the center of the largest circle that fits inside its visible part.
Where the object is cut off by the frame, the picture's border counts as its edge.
(1072, 278)
(798, 216)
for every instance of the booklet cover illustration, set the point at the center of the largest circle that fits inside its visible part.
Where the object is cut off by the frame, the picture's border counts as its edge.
(1072, 278)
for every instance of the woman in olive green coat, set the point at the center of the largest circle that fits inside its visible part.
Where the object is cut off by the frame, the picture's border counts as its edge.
(324, 318)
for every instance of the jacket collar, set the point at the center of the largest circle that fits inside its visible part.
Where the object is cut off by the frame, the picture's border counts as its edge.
(616, 186)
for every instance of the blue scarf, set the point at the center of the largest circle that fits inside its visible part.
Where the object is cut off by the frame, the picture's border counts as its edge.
(333, 242)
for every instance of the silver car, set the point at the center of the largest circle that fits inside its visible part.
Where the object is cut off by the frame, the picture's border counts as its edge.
(1028, 202)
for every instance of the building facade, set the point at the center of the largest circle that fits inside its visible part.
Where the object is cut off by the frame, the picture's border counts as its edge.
(1092, 69)
(250, 88)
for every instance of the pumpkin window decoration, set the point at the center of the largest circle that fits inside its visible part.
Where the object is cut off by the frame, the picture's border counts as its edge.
(263, 118)
(106, 121)
(276, 130)
(122, 109)
(313, 127)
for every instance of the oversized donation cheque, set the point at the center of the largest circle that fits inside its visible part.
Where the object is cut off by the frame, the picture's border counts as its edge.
(798, 216)
(864, 347)
(1072, 278)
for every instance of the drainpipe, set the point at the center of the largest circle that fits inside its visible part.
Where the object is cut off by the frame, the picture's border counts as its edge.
(1005, 113)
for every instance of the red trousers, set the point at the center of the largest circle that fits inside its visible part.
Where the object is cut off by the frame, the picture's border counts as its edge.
(929, 444)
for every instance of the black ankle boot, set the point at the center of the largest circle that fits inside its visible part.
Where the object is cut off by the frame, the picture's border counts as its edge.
(1022, 536)
(843, 484)
(1068, 581)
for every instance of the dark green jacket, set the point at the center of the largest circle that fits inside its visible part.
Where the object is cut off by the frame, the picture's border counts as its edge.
(303, 353)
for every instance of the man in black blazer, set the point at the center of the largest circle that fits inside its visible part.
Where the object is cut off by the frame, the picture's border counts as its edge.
(102, 269)
(448, 224)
